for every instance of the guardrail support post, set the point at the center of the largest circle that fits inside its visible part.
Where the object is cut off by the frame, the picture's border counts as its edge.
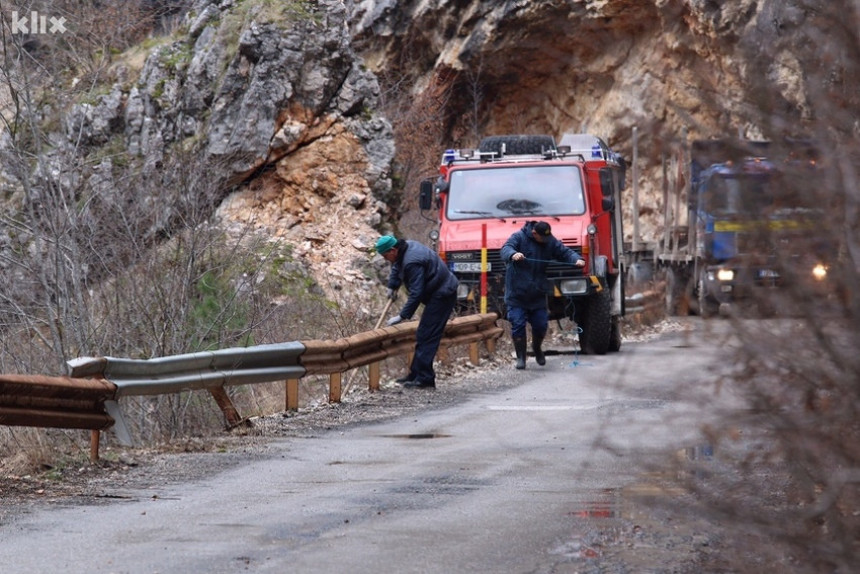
(292, 400)
(373, 376)
(227, 407)
(95, 436)
(491, 346)
(474, 356)
(334, 393)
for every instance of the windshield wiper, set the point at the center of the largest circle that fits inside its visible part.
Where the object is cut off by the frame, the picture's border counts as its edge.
(519, 206)
(469, 212)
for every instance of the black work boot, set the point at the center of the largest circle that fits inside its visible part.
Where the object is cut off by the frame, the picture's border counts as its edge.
(520, 348)
(539, 356)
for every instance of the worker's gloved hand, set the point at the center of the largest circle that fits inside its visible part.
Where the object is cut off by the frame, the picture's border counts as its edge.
(580, 263)
(392, 294)
(518, 257)
(394, 320)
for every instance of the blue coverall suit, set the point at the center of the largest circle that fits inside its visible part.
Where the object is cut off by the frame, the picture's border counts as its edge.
(430, 282)
(526, 285)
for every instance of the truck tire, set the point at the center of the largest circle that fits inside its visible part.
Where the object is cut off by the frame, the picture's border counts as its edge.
(679, 289)
(707, 306)
(596, 335)
(615, 335)
(518, 144)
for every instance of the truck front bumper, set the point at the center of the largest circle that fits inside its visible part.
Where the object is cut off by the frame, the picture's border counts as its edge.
(727, 284)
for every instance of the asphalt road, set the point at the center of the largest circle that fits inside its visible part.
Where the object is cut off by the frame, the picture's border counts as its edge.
(500, 483)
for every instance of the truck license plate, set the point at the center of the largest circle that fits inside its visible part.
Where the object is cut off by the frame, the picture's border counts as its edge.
(470, 267)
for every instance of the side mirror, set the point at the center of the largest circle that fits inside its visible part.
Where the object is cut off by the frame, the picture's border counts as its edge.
(607, 183)
(425, 196)
(622, 177)
(607, 204)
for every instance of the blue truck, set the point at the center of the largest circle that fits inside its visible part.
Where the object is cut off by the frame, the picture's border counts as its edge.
(746, 236)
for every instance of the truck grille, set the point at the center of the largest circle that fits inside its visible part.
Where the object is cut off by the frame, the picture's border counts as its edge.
(497, 267)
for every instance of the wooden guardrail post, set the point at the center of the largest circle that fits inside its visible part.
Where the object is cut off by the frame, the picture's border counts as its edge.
(474, 356)
(227, 407)
(95, 437)
(373, 376)
(491, 346)
(334, 389)
(292, 392)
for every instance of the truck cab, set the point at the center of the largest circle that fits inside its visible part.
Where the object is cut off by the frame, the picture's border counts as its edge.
(482, 196)
(747, 228)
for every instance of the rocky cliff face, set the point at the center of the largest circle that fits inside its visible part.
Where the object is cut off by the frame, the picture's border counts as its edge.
(271, 100)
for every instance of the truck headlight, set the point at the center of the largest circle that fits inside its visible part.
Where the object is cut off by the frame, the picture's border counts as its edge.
(819, 272)
(725, 275)
(573, 287)
(462, 291)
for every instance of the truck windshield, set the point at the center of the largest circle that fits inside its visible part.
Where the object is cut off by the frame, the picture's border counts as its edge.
(515, 190)
(744, 195)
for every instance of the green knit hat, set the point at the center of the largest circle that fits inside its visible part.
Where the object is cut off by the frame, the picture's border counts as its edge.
(385, 243)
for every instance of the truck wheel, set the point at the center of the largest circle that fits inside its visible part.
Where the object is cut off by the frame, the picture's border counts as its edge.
(518, 144)
(597, 324)
(615, 336)
(672, 295)
(707, 306)
(678, 291)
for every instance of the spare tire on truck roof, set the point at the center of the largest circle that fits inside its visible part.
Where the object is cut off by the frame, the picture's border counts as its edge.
(518, 144)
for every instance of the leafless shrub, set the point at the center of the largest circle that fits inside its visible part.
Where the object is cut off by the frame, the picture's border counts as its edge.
(419, 115)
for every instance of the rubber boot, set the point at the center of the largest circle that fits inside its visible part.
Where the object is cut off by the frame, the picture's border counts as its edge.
(539, 356)
(520, 348)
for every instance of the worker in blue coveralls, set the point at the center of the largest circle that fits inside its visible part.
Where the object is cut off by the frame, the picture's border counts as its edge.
(527, 253)
(429, 281)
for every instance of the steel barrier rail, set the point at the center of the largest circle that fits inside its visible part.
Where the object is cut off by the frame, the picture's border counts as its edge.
(213, 370)
(369, 348)
(644, 302)
(194, 371)
(88, 397)
(55, 402)
(210, 370)
(328, 357)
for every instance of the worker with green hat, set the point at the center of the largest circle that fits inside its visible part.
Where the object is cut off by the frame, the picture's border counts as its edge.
(429, 282)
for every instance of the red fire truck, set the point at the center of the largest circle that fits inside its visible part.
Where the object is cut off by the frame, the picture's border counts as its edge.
(484, 195)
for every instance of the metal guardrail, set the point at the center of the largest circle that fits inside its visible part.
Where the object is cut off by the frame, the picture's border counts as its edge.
(88, 397)
(194, 371)
(644, 302)
(55, 402)
(372, 347)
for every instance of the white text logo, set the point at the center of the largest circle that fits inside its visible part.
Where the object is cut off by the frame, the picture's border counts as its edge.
(37, 24)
